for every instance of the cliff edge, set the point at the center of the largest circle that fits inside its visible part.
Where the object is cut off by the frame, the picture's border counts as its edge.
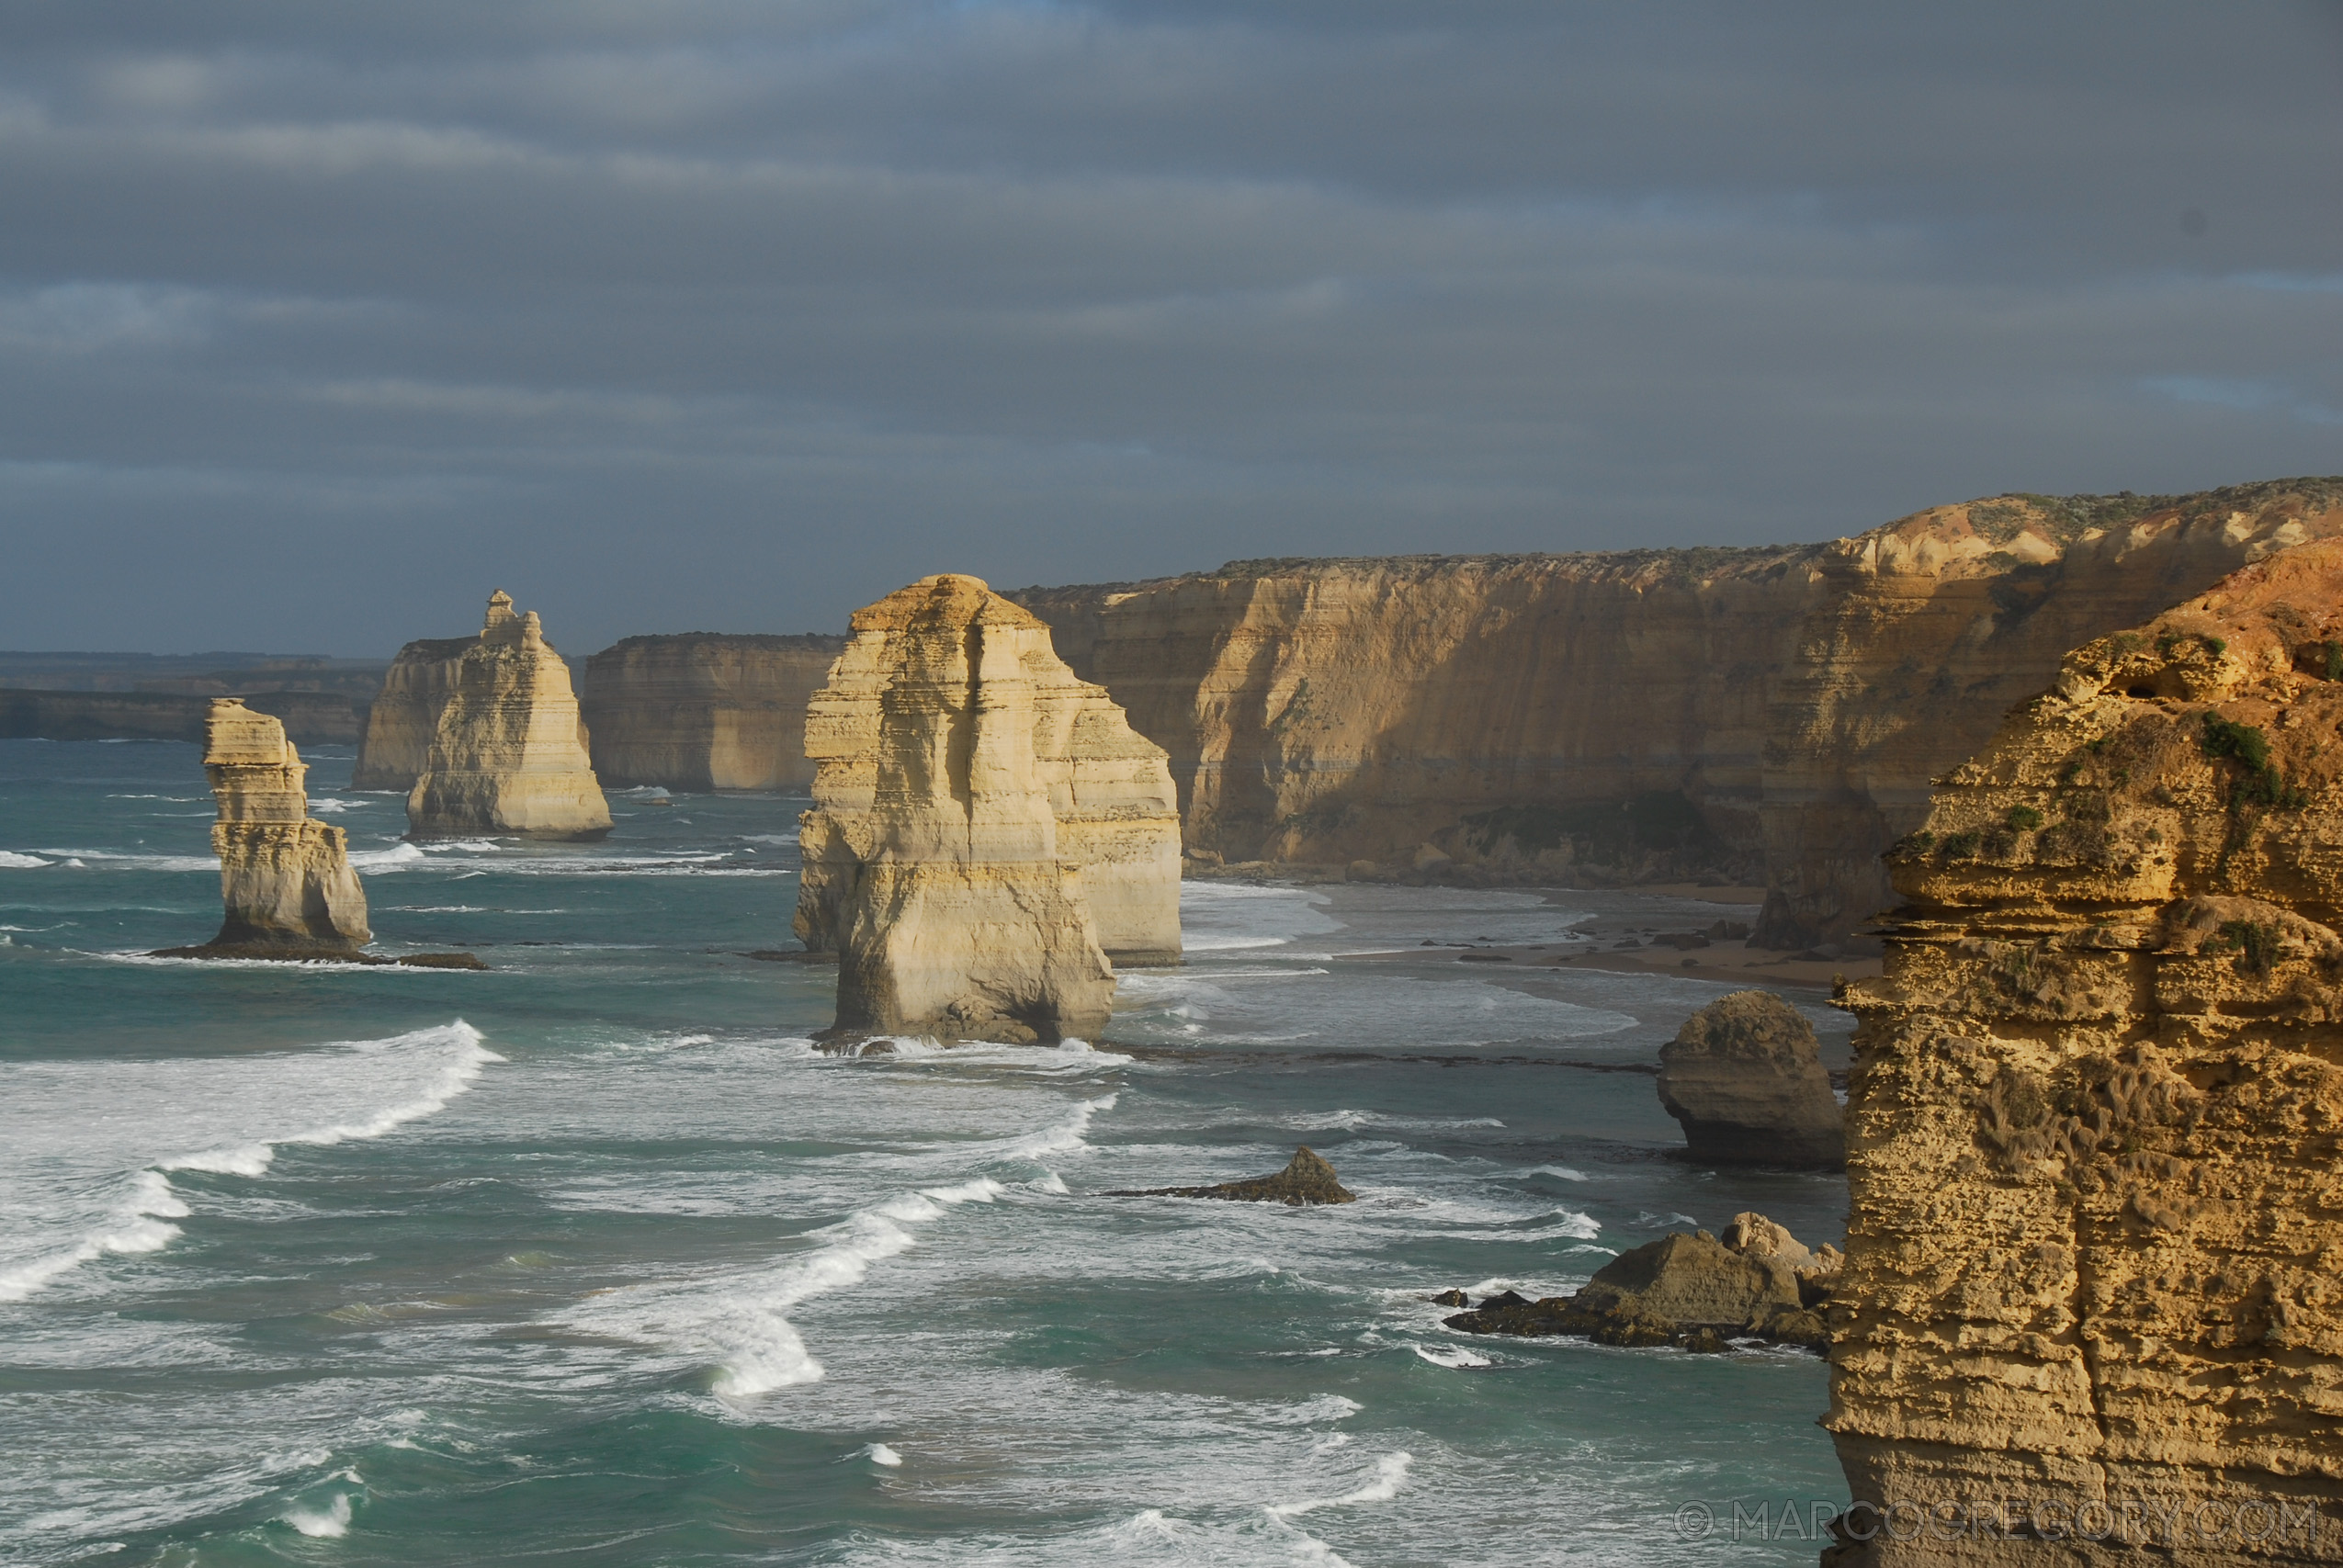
(2093, 1121)
(699, 711)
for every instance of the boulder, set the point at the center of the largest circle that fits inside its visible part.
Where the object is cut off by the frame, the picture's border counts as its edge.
(1307, 1179)
(508, 753)
(1744, 1079)
(1688, 1289)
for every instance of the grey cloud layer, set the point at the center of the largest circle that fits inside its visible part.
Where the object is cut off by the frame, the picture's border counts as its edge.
(734, 316)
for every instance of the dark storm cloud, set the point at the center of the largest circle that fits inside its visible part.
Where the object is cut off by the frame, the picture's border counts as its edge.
(317, 322)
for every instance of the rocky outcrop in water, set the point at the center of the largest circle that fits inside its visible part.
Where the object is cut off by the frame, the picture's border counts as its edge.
(1651, 715)
(2093, 1122)
(284, 880)
(405, 715)
(1744, 1079)
(1306, 1179)
(984, 826)
(702, 712)
(1688, 1289)
(506, 752)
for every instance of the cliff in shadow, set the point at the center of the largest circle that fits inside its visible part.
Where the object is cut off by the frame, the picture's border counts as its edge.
(701, 711)
(1645, 715)
(2092, 1123)
(310, 718)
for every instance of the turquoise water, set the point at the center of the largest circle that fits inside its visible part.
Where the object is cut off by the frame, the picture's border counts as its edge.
(590, 1258)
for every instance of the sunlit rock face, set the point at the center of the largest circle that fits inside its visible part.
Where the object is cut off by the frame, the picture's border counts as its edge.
(405, 714)
(284, 880)
(1634, 715)
(985, 827)
(2095, 1258)
(702, 712)
(507, 753)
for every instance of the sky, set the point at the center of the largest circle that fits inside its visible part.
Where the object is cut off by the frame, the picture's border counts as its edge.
(317, 323)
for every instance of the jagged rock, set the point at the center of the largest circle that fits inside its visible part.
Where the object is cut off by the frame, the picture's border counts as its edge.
(1689, 1290)
(284, 880)
(1744, 1079)
(985, 827)
(405, 714)
(507, 753)
(701, 711)
(2092, 1123)
(1514, 711)
(1307, 1179)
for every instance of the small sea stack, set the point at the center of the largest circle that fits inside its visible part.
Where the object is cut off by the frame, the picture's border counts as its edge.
(1744, 1079)
(508, 750)
(284, 880)
(1307, 1179)
(955, 841)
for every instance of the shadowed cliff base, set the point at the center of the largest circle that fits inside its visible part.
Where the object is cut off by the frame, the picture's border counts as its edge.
(1611, 718)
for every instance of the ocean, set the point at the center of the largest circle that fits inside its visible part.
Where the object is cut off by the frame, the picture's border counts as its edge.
(592, 1259)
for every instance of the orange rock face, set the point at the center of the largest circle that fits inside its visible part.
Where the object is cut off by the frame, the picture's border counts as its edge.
(1768, 712)
(2095, 1128)
(284, 880)
(701, 712)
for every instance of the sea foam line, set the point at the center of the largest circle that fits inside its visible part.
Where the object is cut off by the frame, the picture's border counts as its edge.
(737, 1320)
(1390, 1474)
(140, 1221)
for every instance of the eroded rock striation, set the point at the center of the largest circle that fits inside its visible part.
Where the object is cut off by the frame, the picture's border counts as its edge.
(701, 711)
(1307, 1179)
(1649, 715)
(507, 752)
(284, 880)
(1744, 1079)
(985, 830)
(2096, 1114)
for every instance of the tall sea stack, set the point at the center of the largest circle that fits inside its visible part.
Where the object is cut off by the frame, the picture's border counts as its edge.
(284, 880)
(2097, 1111)
(507, 753)
(948, 740)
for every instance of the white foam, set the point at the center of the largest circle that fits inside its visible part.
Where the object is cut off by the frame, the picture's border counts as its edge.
(329, 806)
(1390, 1474)
(445, 909)
(332, 1521)
(11, 861)
(52, 1123)
(1450, 1356)
(881, 1454)
(384, 860)
(1562, 1171)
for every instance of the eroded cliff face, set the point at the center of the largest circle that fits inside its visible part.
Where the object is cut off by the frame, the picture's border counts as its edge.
(2095, 1260)
(985, 827)
(507, 754)
(702, 712)
(405, 714)
(1643, 714)
(285, 881)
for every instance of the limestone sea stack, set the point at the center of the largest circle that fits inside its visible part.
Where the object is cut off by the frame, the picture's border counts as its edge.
(1744, 1079)
(702, 712)
(2094, 1120)
(286, 881)
(405, 714)
(937, 865)
(507, 754)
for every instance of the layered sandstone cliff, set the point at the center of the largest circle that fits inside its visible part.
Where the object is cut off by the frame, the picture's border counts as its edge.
(284, 880)
(702, 712)
(2097, 1110)
(984, 828)
(1641, 714)
(405, 715)
(506, 754)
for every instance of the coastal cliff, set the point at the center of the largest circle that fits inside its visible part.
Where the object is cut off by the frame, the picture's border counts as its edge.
(2093, 1121)
(949, 738)
(1650, 715)
(507, 754)
(701, 711)
(285, 881)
